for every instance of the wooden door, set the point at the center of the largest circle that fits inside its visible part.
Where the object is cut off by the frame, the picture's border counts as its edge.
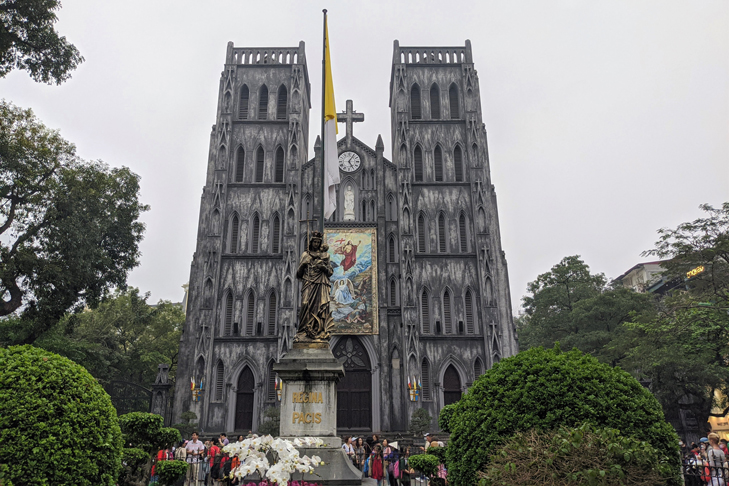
(451, 386)
(244, 401)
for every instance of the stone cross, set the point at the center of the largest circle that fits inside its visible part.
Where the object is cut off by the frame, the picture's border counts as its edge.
(350, 117)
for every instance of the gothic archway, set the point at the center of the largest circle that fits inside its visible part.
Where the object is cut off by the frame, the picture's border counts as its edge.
(354, 391)
(451, 386)
(244, 400)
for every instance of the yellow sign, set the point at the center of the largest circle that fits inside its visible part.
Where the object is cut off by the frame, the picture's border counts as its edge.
(304, 397)
(695, 271)
(306, 418)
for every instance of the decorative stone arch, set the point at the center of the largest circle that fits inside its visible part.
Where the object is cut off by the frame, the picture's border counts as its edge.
(393, 292)
(403, 158)
(294, 156)
(222, 156)
(478, 368)
(207, 300)
(392, 249)
(287, 297)
(406, 221)
(231, 383)
(391, 209)
(450, 361)
(348, 181)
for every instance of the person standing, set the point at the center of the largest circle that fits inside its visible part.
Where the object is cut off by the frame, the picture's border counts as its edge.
(348, 448)
(376, 470)
(361, 452)
(223, 440)
(716, 460)
(194, 449)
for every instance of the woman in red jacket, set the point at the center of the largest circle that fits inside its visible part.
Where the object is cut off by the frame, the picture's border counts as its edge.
(376, 471)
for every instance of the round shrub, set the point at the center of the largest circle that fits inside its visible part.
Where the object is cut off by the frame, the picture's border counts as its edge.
(57, 424)
(170, 471)
(444, 417)
(544, 390)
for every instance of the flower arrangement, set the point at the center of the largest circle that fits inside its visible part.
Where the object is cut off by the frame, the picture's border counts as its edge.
(253, 455)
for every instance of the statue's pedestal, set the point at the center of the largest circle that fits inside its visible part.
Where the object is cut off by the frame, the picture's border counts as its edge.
(309, 374)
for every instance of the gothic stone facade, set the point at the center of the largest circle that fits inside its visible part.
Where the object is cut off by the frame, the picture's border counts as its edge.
(444, 308)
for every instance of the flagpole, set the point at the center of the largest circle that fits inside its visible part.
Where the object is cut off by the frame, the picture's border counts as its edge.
(323, 116)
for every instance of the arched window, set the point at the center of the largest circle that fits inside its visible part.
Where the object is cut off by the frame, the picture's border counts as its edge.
(240, 158)
(453, 100)
(462, 233)
(418, 163)
(208, 294)
(279, 170)
(271, 314)
(271, 392)
(259, 164)
(281, 108)
(415, 109)
(425, 311)
(458, 163)
(243, 103)
(263, 103)
(228, 323)
(425, 380)
(451, 386)
(276, 235)
(477, 368)
(447, 317)
(219, 376)
(391, 254)
(438, 163)
(393, 292)
(255, 234)
(234, 236)
(421, 233)
(441, 233)
(470, 327)
(434, 102)
(391, 208)
(250, 313)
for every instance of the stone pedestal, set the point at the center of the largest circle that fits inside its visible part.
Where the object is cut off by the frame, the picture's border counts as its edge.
(309, 377)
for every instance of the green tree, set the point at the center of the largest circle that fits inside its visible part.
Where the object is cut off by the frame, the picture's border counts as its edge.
(69, 229)
(29, 41)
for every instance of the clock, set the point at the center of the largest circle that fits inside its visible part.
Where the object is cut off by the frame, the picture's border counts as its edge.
(349, 161)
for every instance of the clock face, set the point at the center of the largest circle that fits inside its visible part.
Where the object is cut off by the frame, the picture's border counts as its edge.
(349, 161)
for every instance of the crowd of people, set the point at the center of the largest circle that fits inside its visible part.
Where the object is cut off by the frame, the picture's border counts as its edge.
(705, 463)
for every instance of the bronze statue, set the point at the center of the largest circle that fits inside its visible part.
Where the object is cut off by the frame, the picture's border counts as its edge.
(315, 317)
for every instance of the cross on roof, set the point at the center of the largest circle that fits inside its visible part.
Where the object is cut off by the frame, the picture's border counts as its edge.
(349, 117)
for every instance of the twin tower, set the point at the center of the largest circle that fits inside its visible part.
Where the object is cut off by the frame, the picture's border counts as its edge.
(420, 292)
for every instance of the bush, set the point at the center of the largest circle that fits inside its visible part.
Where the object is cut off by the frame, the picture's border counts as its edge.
(544, 390)
(187, 426)
(170, 471)
(575, 457)
(439, 452)
(143, 432)
(134, 457)
(271, 424)
(425, 463)
(444, 418)
(57, 424)
(420, 421)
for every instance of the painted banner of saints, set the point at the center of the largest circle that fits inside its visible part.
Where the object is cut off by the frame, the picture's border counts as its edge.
(353, 253)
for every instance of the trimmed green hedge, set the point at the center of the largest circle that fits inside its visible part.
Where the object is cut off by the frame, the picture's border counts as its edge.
(170, 471)
(544, 390)
(57, 424)
(444, 417)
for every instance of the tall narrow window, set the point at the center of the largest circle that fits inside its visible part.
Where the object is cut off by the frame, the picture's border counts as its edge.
(281, 108)
(458, 163)
(271, 314)
(276, 235)
(279, 170)
(425, 379)
(391, 250)
(234, 225)
(438, 163)
(259, 164)
(263, 103)
(240, 158)
(255, 234)
(421, 233)
(250, 314)
(208, 294)
(477, 368)
(441, 233)
(364, 211)
(453, 101)
(418, 163)
(373, 214)
(393, 292)
(415, 109)
(462, 233)
(434, 102)
(469, 312)
(228, 314)
(447, 323)
(219, 375)
(425, 311)
(243, 103)
(271, 392)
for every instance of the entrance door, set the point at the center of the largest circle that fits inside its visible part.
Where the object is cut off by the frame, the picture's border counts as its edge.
(451, 386)
(244, 400)
(354, 391)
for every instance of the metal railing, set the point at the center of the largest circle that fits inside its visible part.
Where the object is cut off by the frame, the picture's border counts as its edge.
(698, 471)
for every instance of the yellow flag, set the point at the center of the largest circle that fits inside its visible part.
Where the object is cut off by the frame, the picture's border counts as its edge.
(331, 155)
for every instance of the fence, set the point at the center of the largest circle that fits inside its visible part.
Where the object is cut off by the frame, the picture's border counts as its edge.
(699, 472)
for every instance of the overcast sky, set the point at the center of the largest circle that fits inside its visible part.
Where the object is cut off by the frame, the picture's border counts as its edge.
(605, 120)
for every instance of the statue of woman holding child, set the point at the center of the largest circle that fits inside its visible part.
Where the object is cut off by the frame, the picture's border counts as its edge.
(315, 317)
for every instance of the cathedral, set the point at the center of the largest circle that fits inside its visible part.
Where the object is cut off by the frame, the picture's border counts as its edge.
(420, 290)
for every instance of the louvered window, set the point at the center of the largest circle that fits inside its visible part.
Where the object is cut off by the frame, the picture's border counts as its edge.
(425, 380)
(276, 235)
(219, 372)
(438, 163)
(255, 234)
(477, 368)
(259, 164)
(453, 99)
(271, 392)
(243, 103)
(263, 103)
(415, 109)
(469, 312)
(250, 314)
(281, 108)
(458, 163)
(447, 312)
(441, 233)
(434, 102)
(421, 233)
(272, 314)
(240, 158)
(462, 233)
(364, 211)
(425, 311)
(418, 163)
(228, 314)
(393, 292)
(391, 250)
(234, 225)
(279, 171)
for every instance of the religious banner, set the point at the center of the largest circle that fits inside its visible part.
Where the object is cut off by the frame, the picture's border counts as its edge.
(353, 253)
